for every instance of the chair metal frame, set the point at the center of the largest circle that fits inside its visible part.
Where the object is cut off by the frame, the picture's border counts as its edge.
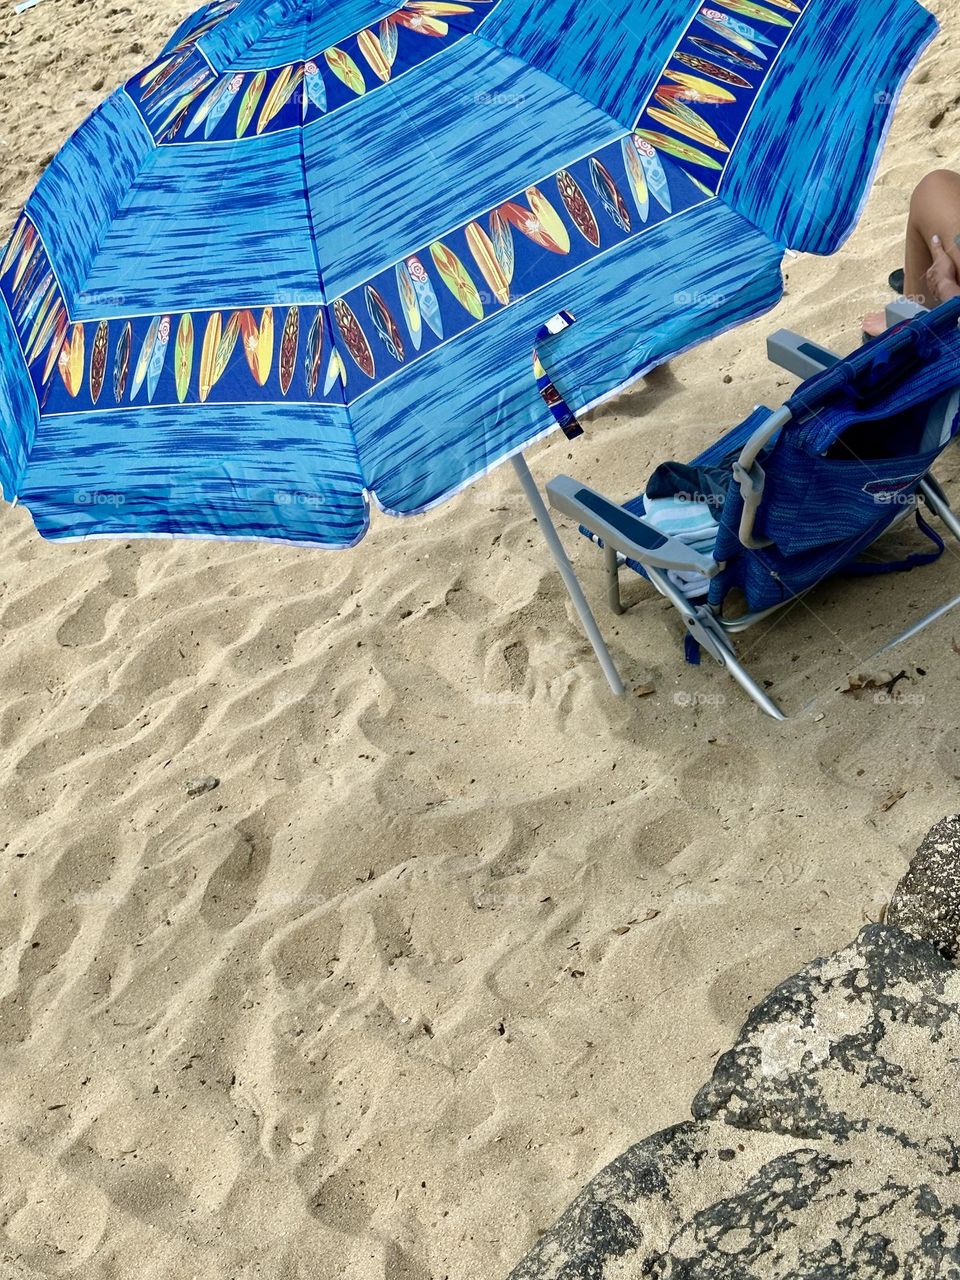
(626, 536)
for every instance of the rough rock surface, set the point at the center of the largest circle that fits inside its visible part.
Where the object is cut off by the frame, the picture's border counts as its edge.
(825, 1147)
(926, 902)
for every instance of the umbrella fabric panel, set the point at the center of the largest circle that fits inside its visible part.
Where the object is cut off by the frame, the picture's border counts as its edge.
(285, 471)
(805, 158)
(612, 56)
(213, 226)
(83, 186)
(700, 274)
(404, 165)
(293, 283)
(18, 408)
(318, 27)
(425, 431)
(267, 33)
(414, 313)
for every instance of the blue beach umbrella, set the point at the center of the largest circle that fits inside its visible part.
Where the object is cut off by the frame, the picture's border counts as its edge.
(301, 262)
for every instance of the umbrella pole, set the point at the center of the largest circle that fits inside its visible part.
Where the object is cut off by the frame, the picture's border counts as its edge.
(548, 529)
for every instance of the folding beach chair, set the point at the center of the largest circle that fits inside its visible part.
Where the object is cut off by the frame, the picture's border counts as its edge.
(791, 497)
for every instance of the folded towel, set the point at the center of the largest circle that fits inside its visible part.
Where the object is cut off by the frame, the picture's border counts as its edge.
(691, 522)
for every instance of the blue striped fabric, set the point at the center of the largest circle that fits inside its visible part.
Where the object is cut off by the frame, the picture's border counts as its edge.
(300, 263)
(844, 469)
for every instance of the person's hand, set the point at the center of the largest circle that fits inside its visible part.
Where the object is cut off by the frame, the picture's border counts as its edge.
(943, 282)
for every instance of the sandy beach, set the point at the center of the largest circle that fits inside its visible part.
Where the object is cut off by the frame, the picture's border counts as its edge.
(455, 926)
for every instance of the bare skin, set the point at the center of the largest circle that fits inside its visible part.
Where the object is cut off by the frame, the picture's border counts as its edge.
(931, 253)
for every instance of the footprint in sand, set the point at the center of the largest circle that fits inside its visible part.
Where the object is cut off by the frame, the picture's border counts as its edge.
(87, 624)
(231, 892)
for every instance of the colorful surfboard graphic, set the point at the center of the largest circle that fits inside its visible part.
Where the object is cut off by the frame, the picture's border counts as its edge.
(355, 340)
(426, 298)
(578, 207)
(501, 238)
(314, 353)
(383, 322)
(654, 173)
(707, 68)
(679, 150)
(208, 355)
(683, 119)
(98, 359)
(71, 361)
(345, 69)
(222, 105)
(157, 357)
(143, 361)
(485, 256)
(372, 50)
(226, 346)
(335, 373)
(183, 356)
(408, 301)
(722, 53)
(457, 279)
(258, 343)
(249, 101)
(636, 178)
(289, 342)
(121, 362)
(688, 88)
(755, 12)
(738, 33)
(609, 193)
(389, 40)
(313, 83)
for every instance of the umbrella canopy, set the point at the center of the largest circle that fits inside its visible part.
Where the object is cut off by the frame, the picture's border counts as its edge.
(301, 261)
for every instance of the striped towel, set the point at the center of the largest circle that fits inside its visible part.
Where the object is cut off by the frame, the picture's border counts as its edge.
(692, 523)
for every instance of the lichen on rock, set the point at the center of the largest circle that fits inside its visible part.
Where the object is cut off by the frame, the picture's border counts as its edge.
(825, 1145)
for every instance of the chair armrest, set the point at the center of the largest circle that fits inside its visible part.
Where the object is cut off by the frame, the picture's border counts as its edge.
(798, 355)
(901, 310)
(624, 532)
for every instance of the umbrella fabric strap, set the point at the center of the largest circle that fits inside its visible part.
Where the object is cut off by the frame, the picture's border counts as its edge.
(566, 418)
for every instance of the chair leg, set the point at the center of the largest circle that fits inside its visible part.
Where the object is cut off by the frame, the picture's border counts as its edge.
(937, 501)
(704, 628)
(747, 683)
(611, 564)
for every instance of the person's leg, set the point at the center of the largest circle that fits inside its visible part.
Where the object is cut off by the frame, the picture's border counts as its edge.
(934, 211)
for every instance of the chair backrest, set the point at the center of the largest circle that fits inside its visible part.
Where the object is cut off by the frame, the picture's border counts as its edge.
(862, 436)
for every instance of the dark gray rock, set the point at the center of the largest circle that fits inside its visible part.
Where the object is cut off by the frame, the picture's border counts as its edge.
(812, 1058)
(926, 902)
(826, 1146)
